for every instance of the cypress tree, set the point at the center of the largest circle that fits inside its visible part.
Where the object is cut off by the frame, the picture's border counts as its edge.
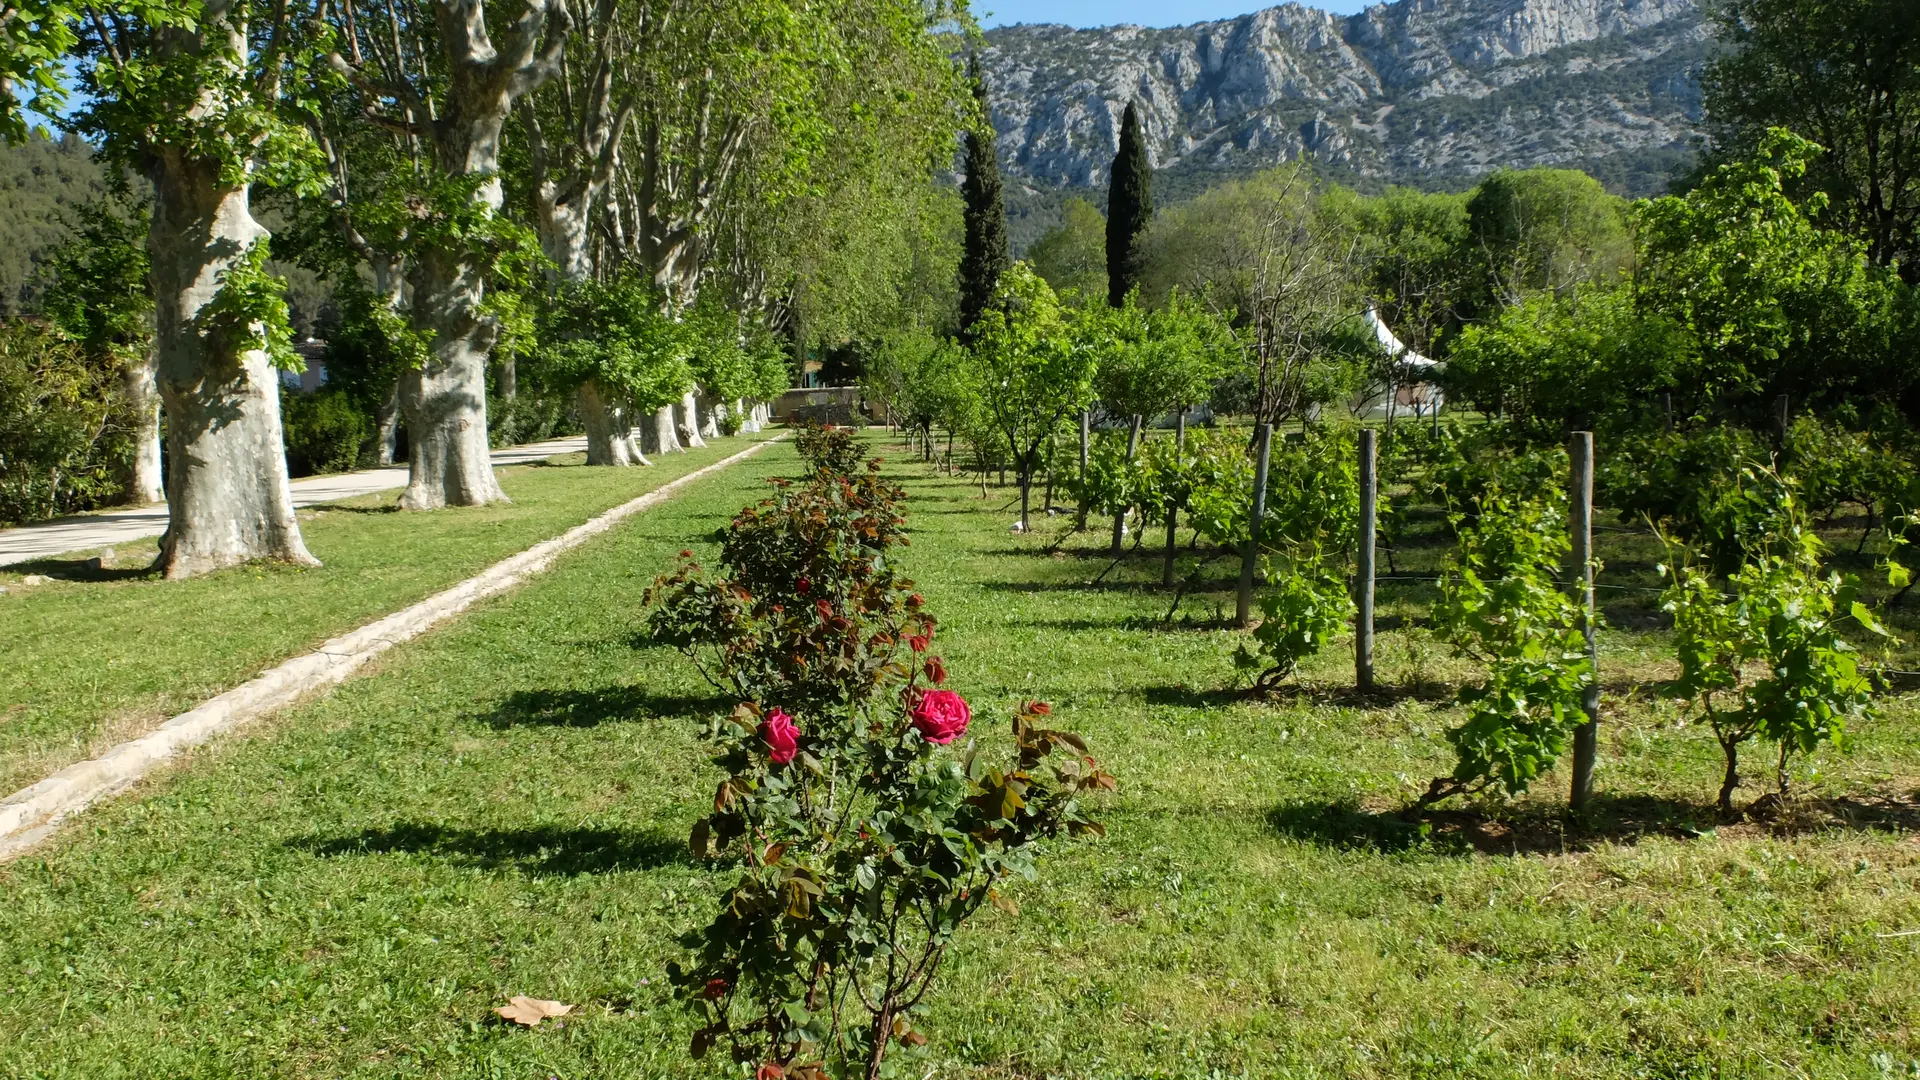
(1129, 208)
(985, 256)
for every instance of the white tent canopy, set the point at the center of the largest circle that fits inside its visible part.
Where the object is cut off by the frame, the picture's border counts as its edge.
(1409, 391)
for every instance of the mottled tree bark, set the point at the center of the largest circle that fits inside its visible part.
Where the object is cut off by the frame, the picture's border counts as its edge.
(445, 398)
(387, 422)
(664, 439)
(230, 501)
(610, 435)
(142, 481)
(709, 412)
(687, 414)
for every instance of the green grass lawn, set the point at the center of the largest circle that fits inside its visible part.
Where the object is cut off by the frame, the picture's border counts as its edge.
(97, 656)
(501, 809)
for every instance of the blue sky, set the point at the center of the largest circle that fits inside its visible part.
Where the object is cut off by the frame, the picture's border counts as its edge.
(1144, 12)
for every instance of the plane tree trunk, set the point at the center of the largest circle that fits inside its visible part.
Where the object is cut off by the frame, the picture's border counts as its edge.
(444, 399)
(609, 421)
(142, 480)
(483, 76)
(230, 500)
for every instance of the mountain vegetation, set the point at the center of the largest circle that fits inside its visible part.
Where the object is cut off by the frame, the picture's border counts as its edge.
(1428, 95)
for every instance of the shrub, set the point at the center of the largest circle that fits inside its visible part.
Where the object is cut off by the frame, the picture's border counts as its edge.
(1306, 606)
(1217, 477)
(535, 414)
(865, 840)
(1502, 605)
(324, 431)
(1835, 467)
(65, 430)
(811, 609)
(1780, 616)
(1460, 467)
(1702, 487)
(1306, 544)
(829, 451)
(1112, 484)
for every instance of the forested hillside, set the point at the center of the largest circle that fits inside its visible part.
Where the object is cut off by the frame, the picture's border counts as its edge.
(41, 183)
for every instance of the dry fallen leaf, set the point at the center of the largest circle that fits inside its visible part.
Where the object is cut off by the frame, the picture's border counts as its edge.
(528, 1012)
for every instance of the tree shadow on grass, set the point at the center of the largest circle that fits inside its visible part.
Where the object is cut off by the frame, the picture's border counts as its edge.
(83, 570)
(1548, 829)
(1520, 830)
(540, 850)
(1109, 585)
(1193, 697)
(1146, 623)
(1385, 696)
(591, 708)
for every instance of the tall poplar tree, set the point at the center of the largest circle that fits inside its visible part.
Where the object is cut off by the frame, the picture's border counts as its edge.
(985, 257)
(1129, 209)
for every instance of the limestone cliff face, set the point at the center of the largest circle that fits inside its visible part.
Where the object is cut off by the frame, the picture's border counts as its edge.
(1415, 91)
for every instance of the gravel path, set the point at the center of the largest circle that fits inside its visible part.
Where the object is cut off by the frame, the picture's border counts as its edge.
(48, 538)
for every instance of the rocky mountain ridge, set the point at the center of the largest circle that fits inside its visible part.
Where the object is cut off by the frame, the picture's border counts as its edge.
(1424, 92)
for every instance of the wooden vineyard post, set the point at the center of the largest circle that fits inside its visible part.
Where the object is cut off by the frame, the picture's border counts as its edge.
(1086, 422)
(1586, 738)
(1120, 518)
(1179, 448)
(1263, 448)
(1363, 579)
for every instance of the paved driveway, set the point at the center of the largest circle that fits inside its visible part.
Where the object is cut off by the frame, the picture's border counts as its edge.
(43, 539)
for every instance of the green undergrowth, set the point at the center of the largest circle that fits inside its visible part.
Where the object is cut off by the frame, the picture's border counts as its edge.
(502, 808)
(95, 656)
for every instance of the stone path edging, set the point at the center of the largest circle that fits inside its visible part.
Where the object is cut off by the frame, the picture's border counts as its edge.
(31, 815)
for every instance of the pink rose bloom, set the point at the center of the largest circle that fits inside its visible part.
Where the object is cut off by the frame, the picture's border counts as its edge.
(782, 736)
(940, 716)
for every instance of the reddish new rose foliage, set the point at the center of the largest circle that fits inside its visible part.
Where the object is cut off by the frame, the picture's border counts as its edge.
(781, 735)
(940, 716)
(857, 850)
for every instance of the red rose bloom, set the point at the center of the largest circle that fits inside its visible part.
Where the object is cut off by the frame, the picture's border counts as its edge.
(940, 716)
(802, 585)
(781, 735)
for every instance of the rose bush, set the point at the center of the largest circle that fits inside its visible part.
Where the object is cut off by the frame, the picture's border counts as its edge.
(828, 451)
(865, 841)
